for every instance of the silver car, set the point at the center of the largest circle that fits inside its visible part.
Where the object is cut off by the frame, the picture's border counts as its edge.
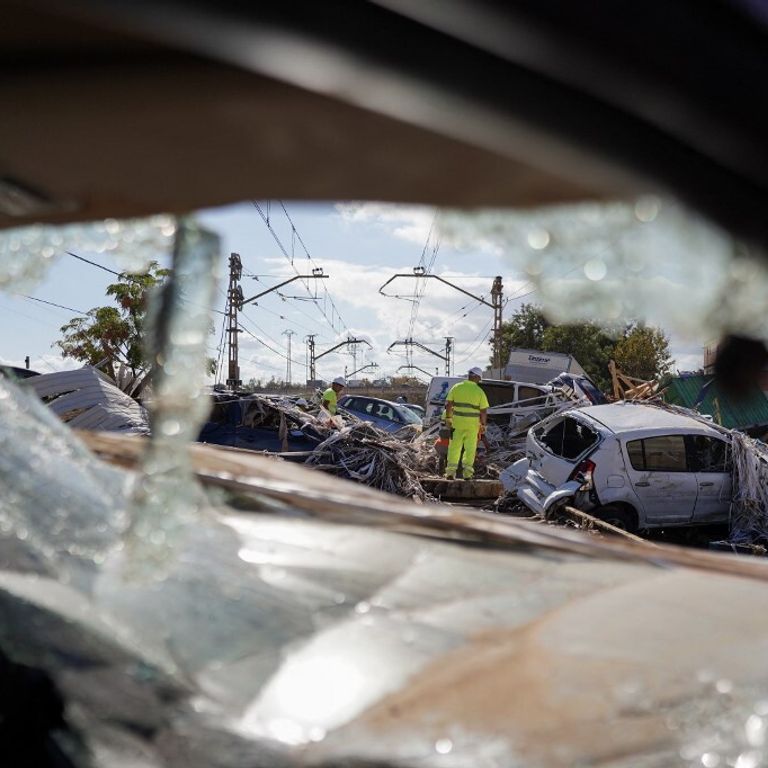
(635, 466)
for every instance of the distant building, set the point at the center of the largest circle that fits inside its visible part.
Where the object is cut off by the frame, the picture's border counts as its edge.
(537, 367)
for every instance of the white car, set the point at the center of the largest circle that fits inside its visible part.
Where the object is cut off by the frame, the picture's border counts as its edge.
(635, 466)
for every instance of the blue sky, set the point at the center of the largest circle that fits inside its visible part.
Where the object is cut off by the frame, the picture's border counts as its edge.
(358, 245)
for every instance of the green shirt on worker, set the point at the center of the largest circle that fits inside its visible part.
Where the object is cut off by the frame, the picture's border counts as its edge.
(332, 398)
(468, 400)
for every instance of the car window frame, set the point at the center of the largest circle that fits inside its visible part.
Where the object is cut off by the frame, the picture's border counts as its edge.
(694, 459)
(594, 428)
(686, 454)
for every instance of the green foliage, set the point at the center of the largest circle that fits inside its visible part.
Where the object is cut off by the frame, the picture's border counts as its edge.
(590, 344)
(525, 329)
(643, 352)
(639, 351)
(109, 336)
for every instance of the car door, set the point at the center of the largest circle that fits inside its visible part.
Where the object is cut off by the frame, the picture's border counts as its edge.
(711, 458)
(662, 479)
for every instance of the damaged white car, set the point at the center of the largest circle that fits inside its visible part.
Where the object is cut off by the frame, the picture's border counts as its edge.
(635, 466)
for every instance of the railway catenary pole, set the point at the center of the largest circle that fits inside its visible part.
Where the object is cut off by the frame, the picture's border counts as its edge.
(288, 378)
(234, 300)
(311, 356)
(235, 303)
(496, 304)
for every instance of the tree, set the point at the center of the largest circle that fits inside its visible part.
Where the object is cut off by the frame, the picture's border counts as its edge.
(524, 329)
(643, 352)
(589, 343)
(639, 351)
(108, 337)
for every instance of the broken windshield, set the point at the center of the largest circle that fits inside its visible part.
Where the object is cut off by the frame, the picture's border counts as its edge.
(566, 437)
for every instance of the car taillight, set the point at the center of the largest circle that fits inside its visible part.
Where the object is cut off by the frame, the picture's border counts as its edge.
(584, 472)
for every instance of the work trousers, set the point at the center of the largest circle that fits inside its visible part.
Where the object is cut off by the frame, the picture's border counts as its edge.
(463, 437)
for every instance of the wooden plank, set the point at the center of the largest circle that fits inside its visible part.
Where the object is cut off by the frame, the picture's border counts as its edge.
(462, 489)
(584, 518)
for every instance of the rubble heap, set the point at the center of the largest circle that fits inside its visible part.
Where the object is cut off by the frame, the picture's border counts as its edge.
(362, 452)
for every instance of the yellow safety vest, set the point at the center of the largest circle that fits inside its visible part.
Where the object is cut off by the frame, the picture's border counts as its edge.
(330, 396)
(468, 400)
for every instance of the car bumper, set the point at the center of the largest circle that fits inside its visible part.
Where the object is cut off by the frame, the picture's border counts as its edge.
(540, 497)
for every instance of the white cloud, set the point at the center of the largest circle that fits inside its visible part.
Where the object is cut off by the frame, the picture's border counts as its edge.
(379, 319)
(410, 223)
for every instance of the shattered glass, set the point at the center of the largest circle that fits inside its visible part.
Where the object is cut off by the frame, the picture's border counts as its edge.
(650, 259)
(26, 253)
(183, 632)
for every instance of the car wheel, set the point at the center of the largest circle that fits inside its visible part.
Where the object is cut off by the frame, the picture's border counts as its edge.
(618, 517)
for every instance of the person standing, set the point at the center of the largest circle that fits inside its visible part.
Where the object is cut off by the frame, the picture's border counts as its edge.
(331, 395)
(466, 412)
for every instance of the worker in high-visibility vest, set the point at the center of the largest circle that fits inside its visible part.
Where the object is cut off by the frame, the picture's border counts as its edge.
(466, 411)
(331, 395)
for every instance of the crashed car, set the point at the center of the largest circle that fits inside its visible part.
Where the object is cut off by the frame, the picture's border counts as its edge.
(634, 466)
(419, 410)
(384, 414)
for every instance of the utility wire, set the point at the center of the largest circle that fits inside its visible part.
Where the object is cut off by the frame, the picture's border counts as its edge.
(271, 338)
(284, 318)
(52, 304)
(267, 346)
(94, 264)
(485, 330)
(295, 236)
(421, 285)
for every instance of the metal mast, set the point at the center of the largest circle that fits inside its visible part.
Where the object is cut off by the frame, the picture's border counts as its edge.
(497, 294)
(288, 378)
(234, 301)
(409, 344)
(311, 355)
(349, 341)
(496, 304)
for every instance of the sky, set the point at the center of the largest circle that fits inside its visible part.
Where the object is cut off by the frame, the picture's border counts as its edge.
(359, 247)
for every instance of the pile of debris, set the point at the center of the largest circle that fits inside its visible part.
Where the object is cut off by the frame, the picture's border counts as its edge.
(507, 445)
(362, 452)
(749, 505)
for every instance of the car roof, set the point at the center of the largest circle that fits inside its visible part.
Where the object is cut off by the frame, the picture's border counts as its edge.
(373, 399)
(636, 417)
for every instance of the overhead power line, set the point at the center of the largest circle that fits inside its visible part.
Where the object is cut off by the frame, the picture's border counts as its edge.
(265, 345)
(52, 304)
(424, 268)
(100, 266)
(290, 256)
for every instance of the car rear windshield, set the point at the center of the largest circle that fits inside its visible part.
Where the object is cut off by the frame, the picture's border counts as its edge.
(566, 437)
